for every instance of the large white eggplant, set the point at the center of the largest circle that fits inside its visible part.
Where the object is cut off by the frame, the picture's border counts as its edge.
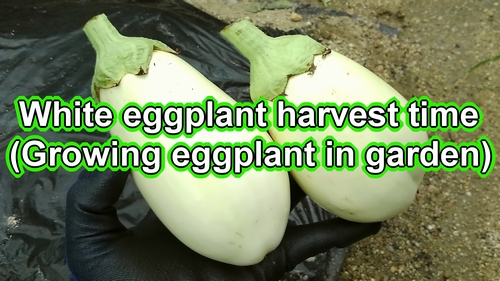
(302, 70)
(232, 220)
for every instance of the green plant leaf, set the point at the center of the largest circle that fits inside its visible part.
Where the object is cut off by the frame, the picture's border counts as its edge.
(483, 63)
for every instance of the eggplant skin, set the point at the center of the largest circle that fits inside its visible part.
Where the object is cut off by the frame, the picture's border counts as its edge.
(351, 195)
(232, 220)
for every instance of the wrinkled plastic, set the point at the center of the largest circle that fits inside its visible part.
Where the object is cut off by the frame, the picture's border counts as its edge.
(43, 51)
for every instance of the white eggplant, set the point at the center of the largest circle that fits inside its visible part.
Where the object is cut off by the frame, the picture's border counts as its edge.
(231, 220)
(303, 70)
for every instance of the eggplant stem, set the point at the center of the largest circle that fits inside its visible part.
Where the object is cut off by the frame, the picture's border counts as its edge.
(272, 60)
(117, 55)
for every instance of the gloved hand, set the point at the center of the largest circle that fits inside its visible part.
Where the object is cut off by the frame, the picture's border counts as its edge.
(100, 248)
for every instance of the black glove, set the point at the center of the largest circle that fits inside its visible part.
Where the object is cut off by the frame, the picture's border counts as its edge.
(100, 248)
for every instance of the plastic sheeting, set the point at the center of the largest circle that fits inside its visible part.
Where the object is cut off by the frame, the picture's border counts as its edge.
(43, 51)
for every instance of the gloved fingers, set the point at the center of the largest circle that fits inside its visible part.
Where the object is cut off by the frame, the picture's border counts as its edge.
(150, 223)
(89, 203)
(304, 241)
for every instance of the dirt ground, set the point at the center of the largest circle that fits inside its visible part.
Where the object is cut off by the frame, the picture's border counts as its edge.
(420, 47)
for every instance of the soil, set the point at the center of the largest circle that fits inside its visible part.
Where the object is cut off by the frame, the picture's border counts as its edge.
(420, 47)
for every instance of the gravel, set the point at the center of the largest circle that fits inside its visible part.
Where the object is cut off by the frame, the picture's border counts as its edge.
(452, 230)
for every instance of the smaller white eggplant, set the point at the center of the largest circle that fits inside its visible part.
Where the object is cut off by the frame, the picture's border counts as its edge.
(232, 220)
(301, 70)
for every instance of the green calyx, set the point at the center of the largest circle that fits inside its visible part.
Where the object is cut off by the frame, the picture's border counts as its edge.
(272, 60)
(117, 55)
